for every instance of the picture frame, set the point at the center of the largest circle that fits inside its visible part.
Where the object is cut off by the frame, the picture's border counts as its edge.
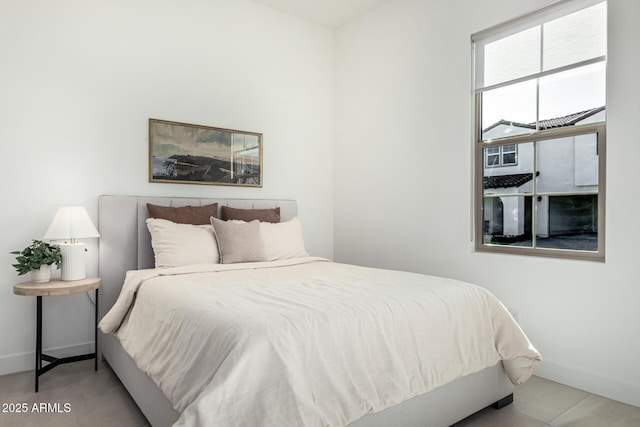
(183, 153)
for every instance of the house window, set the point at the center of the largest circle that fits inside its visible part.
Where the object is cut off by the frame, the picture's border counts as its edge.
(505, 155)
(540, 132)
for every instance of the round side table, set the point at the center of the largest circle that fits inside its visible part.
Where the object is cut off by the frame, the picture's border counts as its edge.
(58, 288)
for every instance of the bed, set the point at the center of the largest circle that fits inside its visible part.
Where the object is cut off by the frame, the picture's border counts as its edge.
(125, 246)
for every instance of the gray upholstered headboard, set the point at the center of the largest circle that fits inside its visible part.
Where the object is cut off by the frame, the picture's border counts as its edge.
(125, 243)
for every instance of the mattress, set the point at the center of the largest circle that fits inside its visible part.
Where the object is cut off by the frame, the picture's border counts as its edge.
(306, 341)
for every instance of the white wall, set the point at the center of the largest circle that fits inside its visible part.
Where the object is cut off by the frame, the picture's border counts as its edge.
(79, 79)
(402, 161)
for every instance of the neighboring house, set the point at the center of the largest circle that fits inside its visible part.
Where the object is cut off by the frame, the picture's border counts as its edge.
(566, 180)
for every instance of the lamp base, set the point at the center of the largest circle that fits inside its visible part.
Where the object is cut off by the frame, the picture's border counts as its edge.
(73, 263)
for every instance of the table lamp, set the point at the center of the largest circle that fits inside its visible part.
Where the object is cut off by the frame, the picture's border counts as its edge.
(69, 224)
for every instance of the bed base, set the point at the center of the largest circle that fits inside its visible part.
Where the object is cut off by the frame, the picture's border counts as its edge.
(125, 245)
(441, 407)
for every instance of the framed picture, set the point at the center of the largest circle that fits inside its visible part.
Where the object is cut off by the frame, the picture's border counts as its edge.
(193, 154)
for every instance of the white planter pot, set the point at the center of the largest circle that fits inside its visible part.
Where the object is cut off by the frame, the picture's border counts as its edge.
(41, 275)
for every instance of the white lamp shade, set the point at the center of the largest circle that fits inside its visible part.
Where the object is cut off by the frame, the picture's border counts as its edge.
(71, 223)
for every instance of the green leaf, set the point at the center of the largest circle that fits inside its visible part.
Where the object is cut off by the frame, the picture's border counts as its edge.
(39, 253)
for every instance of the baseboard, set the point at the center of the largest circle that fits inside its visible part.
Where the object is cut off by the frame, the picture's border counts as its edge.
(591, 382)
(26, 361)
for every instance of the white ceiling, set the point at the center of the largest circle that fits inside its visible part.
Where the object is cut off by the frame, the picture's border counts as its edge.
(330, 13)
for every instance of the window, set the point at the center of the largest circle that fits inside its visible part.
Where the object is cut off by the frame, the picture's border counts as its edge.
(540, 132)
(504, 155)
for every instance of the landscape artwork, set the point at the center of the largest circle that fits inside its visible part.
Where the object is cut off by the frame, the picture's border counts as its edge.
(193, 154)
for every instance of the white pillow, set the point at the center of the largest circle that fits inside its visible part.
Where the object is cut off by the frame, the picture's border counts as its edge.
(282, 240)
(176, 244)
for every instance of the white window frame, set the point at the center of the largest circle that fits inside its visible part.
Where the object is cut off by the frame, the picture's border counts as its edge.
(500, 155)
(504, 152)
(481, 161)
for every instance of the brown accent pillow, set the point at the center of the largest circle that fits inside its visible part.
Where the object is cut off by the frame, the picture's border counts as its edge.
(263, 215)
(197, 215)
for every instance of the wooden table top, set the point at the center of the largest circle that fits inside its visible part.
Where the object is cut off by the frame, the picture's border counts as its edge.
(56, 287)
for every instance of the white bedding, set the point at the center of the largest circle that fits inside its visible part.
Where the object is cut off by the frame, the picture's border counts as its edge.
(307, 341)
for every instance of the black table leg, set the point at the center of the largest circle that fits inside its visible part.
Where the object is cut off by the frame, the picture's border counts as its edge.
(38, 339)
(95, 333)
(55, 361)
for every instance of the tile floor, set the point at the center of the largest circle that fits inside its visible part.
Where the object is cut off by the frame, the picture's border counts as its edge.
(544, 403)
(98, 399)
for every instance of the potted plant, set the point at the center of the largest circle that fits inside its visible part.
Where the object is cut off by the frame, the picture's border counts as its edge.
(37, 259)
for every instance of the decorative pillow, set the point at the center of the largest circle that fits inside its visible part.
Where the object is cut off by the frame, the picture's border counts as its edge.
(175, 244)
(198, 215)
(238, 241)
(283, 240)
(262, 215)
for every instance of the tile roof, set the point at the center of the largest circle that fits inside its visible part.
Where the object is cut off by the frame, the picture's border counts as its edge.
(557, 122)
(505, 181)
(568, 120)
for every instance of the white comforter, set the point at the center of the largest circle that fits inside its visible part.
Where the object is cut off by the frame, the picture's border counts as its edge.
(307, 341)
